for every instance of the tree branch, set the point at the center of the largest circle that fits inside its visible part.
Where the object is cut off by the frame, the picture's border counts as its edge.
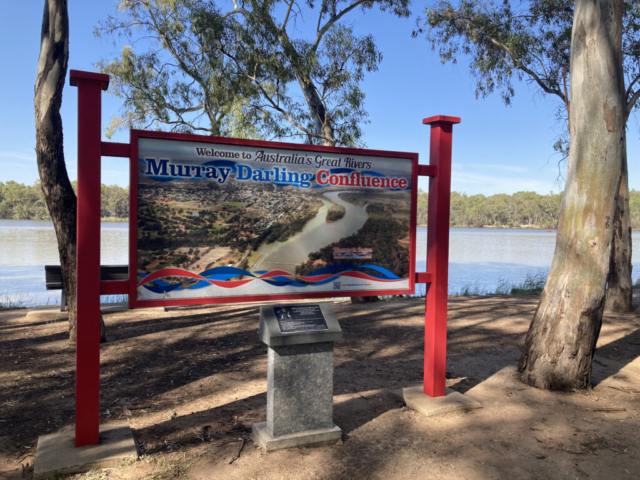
(236, 11)
(629, 91)
(334, 19)
(193, 74)
(632, 103)
(518, 64)
(320, 16)
(286, 18)
(273, 103)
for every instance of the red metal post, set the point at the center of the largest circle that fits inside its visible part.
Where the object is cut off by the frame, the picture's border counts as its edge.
(435, 328)
(90, 86)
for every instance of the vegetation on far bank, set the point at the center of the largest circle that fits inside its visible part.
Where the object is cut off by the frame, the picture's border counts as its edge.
(26, 202)
(522, 209)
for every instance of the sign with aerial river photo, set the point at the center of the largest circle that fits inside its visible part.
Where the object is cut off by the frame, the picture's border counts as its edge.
(225, 220)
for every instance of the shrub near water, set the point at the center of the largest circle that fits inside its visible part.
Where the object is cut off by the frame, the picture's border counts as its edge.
(531, 285)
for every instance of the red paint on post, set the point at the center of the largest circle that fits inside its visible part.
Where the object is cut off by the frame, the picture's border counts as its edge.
(435, 328)
(90, 86)
(114, 287)
(113, 149)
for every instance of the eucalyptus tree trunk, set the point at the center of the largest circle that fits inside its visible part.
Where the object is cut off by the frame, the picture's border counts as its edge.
(322, 124)
(560, 344)
(58, 193)
(619, 289)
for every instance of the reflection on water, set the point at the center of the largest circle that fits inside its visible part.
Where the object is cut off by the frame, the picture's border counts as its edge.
(478, 257)
(26, 246)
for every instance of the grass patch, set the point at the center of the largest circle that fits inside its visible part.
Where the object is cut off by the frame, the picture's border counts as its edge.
(471, 290)
(22, 300)
(26, 300)
(531, 285)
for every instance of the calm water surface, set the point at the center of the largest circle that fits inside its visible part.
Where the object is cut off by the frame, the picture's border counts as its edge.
(478, 258)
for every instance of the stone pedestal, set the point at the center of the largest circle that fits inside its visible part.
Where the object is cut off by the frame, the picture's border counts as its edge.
(299, 380)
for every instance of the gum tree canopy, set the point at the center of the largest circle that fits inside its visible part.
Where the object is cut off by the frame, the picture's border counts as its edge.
(532, 42)
(270, 69)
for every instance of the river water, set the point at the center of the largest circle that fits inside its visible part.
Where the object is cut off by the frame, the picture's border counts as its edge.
(478, 258)
(316, 234)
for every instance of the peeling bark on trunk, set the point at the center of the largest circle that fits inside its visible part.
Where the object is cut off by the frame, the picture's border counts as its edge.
(58, 193)
(619, 288)
(322, 123)
(560, 344)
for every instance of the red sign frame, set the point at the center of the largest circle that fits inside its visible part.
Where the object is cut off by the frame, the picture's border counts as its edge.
(135, 135)
(89, 285)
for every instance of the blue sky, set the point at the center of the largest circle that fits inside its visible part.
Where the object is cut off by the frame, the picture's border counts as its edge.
(497, 149)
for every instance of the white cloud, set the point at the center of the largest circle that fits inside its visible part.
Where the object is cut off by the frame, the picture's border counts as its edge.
(27, 156)
(10, 164)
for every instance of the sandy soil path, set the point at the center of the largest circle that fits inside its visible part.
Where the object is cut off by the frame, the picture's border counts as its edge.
(190, 382)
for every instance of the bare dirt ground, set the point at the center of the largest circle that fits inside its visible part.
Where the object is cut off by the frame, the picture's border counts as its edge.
(191, 382)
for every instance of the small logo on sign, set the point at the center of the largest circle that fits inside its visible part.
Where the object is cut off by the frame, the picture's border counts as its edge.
(336, 285)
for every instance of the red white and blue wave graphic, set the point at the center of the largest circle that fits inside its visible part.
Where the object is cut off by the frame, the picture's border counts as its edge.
(223, 277)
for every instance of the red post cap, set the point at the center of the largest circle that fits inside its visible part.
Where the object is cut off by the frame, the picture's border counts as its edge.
(440, 119)
(75, 75)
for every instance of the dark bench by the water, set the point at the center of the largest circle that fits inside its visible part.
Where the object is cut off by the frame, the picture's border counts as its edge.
(53, 278)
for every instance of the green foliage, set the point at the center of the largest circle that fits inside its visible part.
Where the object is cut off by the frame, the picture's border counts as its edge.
(528, 41)
(531, 285)
(634, 209)
(24, 202)
(180, 81)
(254, 70)
(335, 212)
(522, 209)
(504, 41)
(115, 202)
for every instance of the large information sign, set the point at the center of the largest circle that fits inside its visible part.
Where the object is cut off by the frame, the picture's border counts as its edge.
(217, 220)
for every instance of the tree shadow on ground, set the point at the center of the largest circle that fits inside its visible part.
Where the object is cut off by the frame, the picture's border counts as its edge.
(163, 358)
(161, 365)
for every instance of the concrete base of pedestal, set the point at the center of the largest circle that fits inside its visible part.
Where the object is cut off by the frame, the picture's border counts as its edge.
(308, 438)
(453, 401)
(57, 454)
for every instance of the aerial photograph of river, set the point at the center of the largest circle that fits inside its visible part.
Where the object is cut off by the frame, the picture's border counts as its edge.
(317, 233)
